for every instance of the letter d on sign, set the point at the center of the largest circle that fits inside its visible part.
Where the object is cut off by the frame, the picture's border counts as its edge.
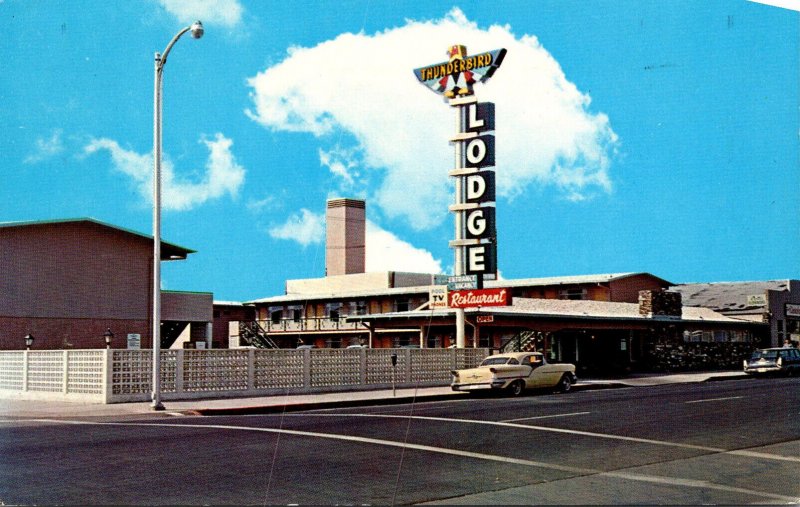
(476, 187)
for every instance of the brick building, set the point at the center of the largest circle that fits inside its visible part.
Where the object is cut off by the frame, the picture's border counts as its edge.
(66, 282)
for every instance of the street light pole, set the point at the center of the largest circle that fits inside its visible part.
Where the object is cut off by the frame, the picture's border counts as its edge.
(160, 60)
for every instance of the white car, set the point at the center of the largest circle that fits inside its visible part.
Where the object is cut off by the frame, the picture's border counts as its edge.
(515, 372)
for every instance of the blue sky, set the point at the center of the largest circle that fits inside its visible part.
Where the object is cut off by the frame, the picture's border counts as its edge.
(636, 135)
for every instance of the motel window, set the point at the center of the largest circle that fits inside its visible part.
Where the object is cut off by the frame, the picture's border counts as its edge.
(572, 294)
(296, 313)
(402, 305)
(361, 307)
(276, 314)
(333, 310)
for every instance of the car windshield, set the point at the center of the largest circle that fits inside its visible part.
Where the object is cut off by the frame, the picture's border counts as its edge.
(765, 354)
(489, 361)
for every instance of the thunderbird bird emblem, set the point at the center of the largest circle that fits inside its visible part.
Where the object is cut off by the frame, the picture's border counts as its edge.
(455, 77)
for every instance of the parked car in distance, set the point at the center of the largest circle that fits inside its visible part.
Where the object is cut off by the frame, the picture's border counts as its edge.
(301, 347)
(514, 373)
(357, 347)
(785, 361)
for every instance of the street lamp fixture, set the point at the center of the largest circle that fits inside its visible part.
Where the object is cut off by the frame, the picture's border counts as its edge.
(197, 31)
(28, 341)
(108, 335)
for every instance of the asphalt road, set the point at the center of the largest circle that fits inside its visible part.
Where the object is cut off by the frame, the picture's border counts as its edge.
(727, 442)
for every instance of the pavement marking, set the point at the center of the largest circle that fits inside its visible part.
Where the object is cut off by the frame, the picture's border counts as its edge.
(669, 481)
(716, 450)
(545, 417)
(531, 427)
(715, 399)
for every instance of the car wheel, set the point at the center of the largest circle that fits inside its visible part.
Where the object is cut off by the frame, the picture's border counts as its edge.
(565, 384)
(516, 388)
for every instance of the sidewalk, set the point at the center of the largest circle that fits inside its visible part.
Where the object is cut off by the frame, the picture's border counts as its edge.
(27, 409)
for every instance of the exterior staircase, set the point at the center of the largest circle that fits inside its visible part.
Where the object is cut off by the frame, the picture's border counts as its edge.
(524, 341)
(251, 333)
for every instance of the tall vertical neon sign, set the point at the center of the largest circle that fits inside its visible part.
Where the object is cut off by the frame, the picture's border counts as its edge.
(475, 243)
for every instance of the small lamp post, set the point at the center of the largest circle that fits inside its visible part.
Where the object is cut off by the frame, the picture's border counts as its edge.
(28, 341)
(108, 335)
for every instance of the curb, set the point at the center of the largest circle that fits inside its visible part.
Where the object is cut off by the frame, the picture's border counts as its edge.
(317, 405)
(321, 405)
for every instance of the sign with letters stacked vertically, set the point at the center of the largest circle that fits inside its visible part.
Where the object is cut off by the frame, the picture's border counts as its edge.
(477, 186)
(476, 234)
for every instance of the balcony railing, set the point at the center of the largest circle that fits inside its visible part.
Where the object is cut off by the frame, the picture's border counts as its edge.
(309, 324)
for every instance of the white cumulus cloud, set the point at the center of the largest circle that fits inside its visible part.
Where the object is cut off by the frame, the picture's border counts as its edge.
(222, 174)
(304, 227)
(364, 85)
(387, 252)
(384, 250)
(227, 13)
(46, 148)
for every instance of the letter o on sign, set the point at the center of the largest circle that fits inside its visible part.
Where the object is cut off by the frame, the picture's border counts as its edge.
(476, 151)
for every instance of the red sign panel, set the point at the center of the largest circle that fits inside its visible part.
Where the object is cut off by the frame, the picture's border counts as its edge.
(484, 319)
(479, 297)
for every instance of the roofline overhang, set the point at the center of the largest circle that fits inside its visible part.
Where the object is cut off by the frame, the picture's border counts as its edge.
(439, 315)
(169, 251)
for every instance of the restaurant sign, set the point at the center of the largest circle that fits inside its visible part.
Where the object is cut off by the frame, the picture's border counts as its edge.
(479, 297)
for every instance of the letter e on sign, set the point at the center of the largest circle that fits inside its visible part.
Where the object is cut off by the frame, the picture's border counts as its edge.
(476, 262)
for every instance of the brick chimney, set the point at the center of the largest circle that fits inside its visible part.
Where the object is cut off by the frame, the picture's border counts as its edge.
(345, 224)
(660, 303)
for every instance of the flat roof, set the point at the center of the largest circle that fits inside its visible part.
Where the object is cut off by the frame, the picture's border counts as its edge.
(424, 289)
(567, 280)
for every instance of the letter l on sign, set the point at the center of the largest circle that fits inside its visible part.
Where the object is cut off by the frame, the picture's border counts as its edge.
(474, 122)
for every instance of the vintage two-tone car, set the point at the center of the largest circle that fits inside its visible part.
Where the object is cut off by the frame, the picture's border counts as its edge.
(514, 372)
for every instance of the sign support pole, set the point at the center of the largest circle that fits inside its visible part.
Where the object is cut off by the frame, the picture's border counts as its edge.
(461, 341)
